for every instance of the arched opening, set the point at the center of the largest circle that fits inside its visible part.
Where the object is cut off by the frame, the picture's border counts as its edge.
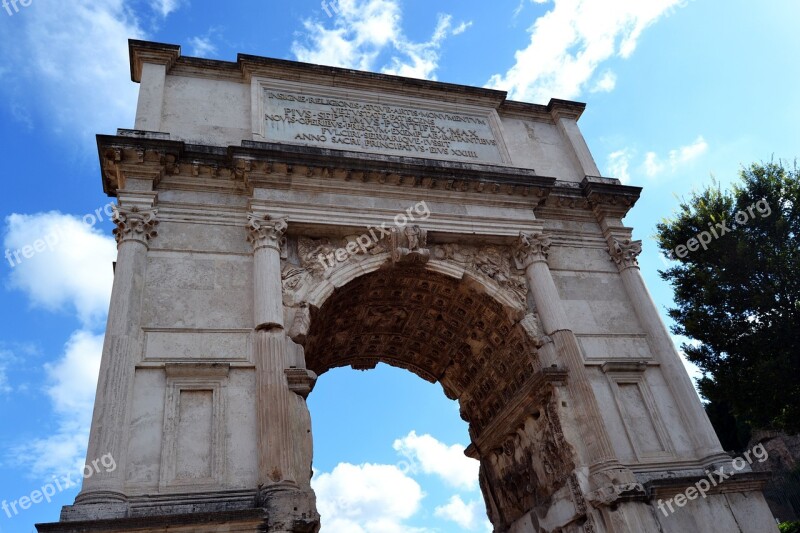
(454, 332)
(389, 455)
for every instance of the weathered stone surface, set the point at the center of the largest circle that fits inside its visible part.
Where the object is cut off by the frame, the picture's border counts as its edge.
(254, 256)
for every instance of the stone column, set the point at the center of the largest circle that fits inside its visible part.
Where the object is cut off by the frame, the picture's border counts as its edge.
(272, 391)
(624, 253)
(136, 225)
(290, 505)
(531, 256)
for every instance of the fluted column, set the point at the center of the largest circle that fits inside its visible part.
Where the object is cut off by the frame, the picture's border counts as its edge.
(272, 389)
(624, 252)
(531, 256)
(136, 226)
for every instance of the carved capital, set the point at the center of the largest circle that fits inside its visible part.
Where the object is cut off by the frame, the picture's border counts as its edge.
(263, 230)
(531, 248)
(624, 252)
(134, 224)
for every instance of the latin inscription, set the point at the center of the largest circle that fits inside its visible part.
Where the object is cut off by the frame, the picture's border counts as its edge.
(347, 124)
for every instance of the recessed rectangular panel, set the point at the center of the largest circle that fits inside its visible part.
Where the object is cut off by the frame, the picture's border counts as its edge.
(162, 345)
(638, 420)
(194, 435)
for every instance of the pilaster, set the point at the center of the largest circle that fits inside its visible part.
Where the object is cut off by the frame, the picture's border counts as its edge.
(624, 252)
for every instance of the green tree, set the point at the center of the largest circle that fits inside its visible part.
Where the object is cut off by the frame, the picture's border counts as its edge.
(737, 290)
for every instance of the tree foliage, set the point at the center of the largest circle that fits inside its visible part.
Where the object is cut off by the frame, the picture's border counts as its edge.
(738, 295)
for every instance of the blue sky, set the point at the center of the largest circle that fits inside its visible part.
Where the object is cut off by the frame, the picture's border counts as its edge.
(677, 91)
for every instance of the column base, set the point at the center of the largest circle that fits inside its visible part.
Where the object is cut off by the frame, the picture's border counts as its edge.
(248, 520)
(280, 508)
(290, 509)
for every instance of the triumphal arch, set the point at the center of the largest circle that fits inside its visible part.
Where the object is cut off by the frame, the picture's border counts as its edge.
(279, 219)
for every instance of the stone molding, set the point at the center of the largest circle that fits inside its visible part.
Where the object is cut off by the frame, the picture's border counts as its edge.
(258, 164)
(148, 52)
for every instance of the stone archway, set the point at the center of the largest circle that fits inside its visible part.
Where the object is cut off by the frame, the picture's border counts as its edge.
(580, 411)
(460, 320)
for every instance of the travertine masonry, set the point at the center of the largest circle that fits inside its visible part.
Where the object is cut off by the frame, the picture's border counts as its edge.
(520, 294)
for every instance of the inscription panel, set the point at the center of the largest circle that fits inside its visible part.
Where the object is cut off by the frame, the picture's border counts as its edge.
(367, 123)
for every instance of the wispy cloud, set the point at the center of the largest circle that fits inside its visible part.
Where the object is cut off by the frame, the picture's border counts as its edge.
(655, 165)
(165, 7)
(71, 384)
(6, 357)
(67, 76)
(73, 277)
(621, 163)
(570, 42)
(605, 83)
(202, 46)
(618, 163)
(365, 31)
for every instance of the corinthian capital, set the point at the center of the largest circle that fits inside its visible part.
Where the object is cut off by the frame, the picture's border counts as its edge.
(624, 252)
(263, 230)
(134, 223)
(531, 248)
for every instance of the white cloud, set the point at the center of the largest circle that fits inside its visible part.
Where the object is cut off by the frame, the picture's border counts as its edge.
(435, 457)
(363, 30)
(73, 378)
(5, 358)
(165, 7)
(654, 165)
(688, 153)
(202, 46)
(367, 498)
(571, 41)
(461, 28)
(72, 381)
(469, 516)
(70, 56)
(422, 59)
(606, 83)
(72, 272)
(618, 163)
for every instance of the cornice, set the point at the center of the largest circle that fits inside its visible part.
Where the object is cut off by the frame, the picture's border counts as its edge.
(551, 112)
(271, 165)
(241, 169)
(149, 52)
(608, 198)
